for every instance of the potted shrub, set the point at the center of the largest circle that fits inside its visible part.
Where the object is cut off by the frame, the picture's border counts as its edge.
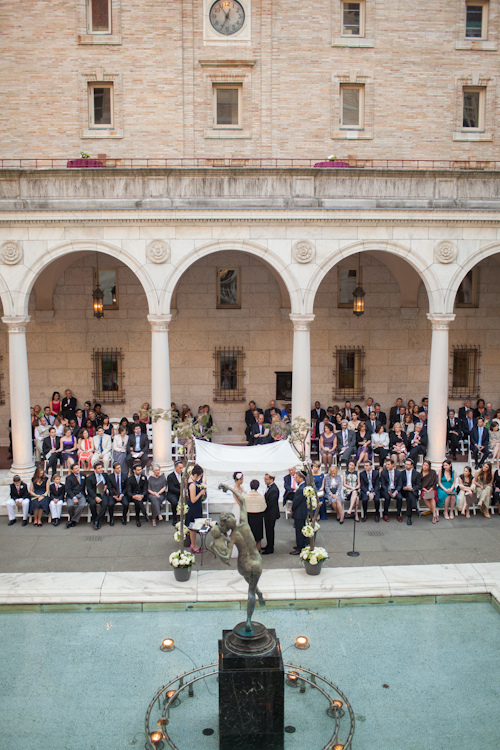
(181, 561)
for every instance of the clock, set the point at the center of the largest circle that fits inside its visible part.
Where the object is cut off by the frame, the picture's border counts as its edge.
(227, 16)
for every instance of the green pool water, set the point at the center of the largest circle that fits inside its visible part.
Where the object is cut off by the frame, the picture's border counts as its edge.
(82, 679)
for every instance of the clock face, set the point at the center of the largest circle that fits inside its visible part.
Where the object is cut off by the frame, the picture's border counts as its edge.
(227, 16)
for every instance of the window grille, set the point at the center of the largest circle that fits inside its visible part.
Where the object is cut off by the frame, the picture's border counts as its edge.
(465, 372)
(2, 392)
(229, 374)
(108, 376)
(348, 376)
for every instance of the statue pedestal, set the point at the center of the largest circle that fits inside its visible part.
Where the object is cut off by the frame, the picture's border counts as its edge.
(251, 690)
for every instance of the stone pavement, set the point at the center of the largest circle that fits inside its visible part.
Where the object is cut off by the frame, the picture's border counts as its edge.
(29, 549)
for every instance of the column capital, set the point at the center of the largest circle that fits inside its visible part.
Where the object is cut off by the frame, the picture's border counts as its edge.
(302, 322)
(441, 321)
(17, 323)
(159, 322)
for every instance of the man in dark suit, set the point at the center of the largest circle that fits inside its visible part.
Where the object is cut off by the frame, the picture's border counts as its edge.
(137, 488)
(117, 486)
(68, 405)
(19, 496)
(373, 423)
(75, 495)
(271, 513)
(260, 433)
(299, 513)
(479, 440)
(452, 433)
(412, 482)
(138, 447)
(391, 484)
(462, 412)
(267, 413)
(369, 481)
(418, 443)
(51, 449)
(394, 415)
(347, 412)
(98, 494)
(136, 423)
(467, 424)
(381, 416)
(250, 420)
(346, 443)
(318, 413)
(174, 489)
(291, 485)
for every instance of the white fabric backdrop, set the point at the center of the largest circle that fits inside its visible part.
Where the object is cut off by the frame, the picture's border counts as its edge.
(274, 457)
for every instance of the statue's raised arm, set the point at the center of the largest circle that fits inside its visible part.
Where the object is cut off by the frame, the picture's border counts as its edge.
(240, 499)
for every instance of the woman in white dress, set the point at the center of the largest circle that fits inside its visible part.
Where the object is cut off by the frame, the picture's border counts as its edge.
(120, 442)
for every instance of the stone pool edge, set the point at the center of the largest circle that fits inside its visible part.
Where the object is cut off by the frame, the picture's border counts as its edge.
(212, 588)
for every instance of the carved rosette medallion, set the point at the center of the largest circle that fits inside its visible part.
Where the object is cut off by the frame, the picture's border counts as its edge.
(303, 251)
(445, 252)
(11, 253)
(158, 251)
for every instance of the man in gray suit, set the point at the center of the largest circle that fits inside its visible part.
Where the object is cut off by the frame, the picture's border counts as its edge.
(346, 442)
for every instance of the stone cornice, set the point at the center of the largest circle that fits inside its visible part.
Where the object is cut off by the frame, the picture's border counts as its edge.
(251, 220)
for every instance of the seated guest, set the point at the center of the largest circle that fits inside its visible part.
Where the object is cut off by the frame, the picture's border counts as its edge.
(256, 506)
(416, 414)
(327, 445)
(38, 411)
(117, 493)
(467, 491)
(260, 432)
(381, 417)
(446, 490)
(394, 414)
(102, 447)
(453, 433)
(97, 494)
(369, 489)
(479, 442)
(417, 444)
(428, 491)
(39, 491)
(85, 449)
(494, 441)
(425, 405)
(124, 423)
(467, 424)
(409, 406)
(489, 412)
(346, 442)
(108, 427)
(68, 406)
(60, 423)
(41, 432)
(363, 444)
(196, 492)
(347, 411)
(267, 413)
(484, 489)
(79, 419)
(249, 421)
(157, 485)
(144, 413)
(380, 443)
(480, 410)
(48, 416)
(69, 452)
(462, 412)
(411, 489)
(291, 485)
(318, 412)
(423, 420)
(137, 448)
(174, 488)
(98, 415)
(408, 425)
(351, 489)
(354, 422)
(55, 405)
(34, 418)
(52, 449)
(57, 492)
(391, 484)
(120, 444)
(75, 495)
(137, 488)
(369, 405)
(19, 495)
(360, 413)
(334, 492)
(136, 422)
(372, 422)
(398, 444)
(86, 409)
(90, 427)
(74, 429)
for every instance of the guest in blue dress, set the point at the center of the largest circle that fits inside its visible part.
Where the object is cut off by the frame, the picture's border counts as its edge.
(39, 491)
(196, 493)
(319, 483)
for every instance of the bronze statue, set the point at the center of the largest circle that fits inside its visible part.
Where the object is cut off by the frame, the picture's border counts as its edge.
(249, 558)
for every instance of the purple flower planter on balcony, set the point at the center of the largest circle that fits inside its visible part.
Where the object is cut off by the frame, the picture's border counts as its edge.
(79, 163)
(332, 164)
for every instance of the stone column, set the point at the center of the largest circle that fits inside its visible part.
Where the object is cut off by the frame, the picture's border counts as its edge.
(22, 443)
(438, 389)
(160, 390)
(301, 375)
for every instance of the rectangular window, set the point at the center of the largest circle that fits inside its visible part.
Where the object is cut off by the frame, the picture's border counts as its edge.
(347, 283)
(229, 374)
(108, 376)
(476, 20)
(352, 106)
(101, 105)
(467, 291)
(108, 283)
(465, 373)
(473, 107)
(99, 16)
(349, 373)
(227, 106)
(353, 19)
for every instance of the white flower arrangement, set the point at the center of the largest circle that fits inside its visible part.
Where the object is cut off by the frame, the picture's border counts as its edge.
(314, 556)
(312, 503)
(203, 486)
(309, 491)
(177, 535)
(189, 469)
(185, 508)
(310, 529)
(180, 450)
(182, 559)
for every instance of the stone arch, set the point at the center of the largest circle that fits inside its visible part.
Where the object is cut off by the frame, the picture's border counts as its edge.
(6, 297)
(286, 280)
(420, 265)
(78, 246)
(462, 269)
